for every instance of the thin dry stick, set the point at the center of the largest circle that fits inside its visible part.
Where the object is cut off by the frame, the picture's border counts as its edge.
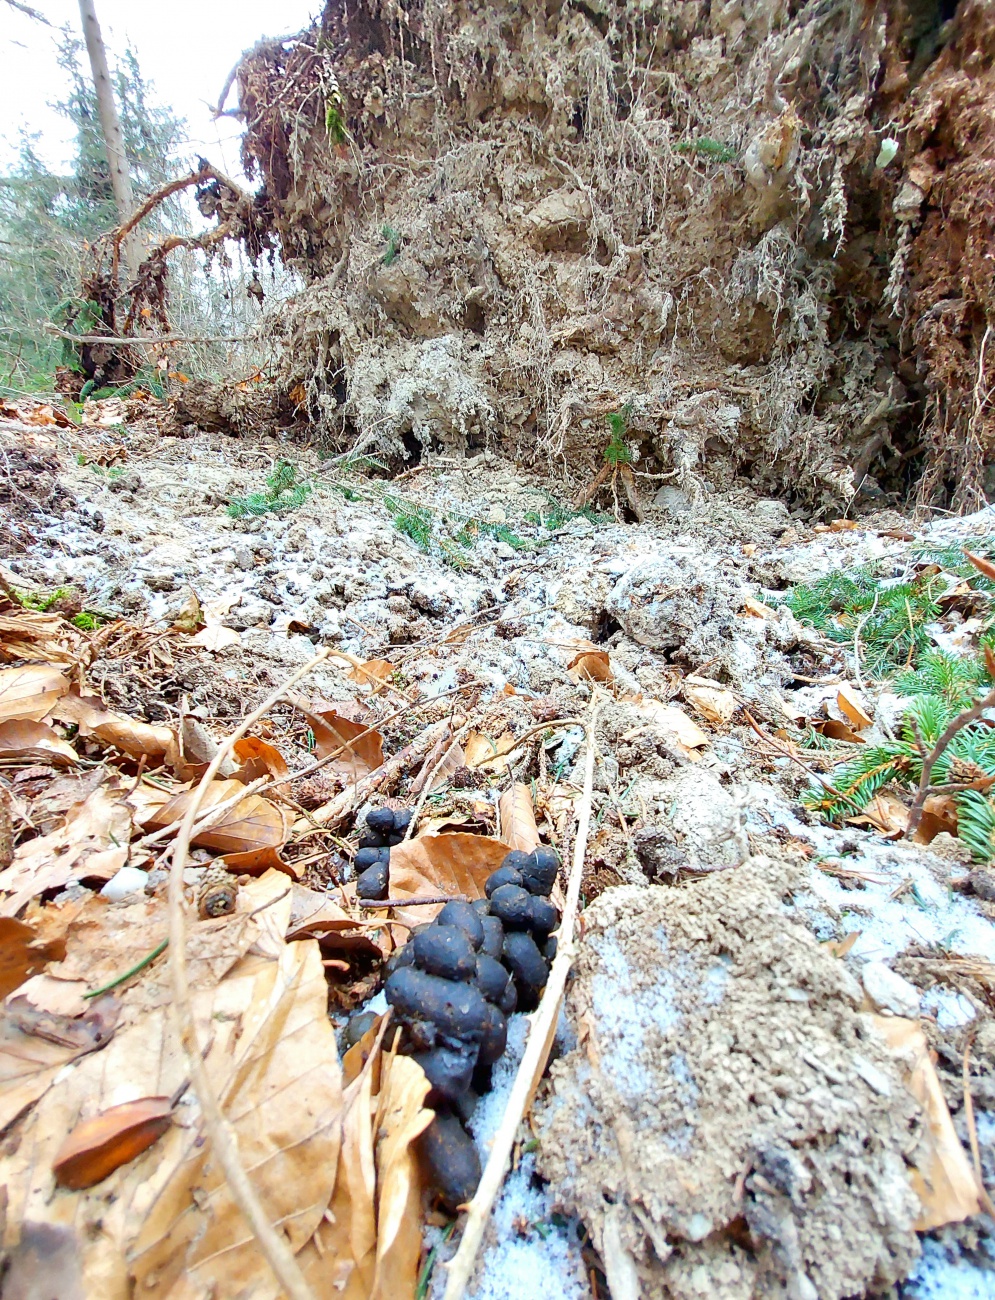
(272, 1243)
(537, 1049)
(972, 1130)
(959, 723)
(427, 787)
(421, 901)
(804, 766)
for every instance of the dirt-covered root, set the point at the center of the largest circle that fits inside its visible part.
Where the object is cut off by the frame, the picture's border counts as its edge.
(729, 1124)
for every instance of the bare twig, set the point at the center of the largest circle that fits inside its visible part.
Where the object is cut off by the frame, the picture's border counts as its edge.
(271, 1242)
(115, 341)
(959, 723)
(804, 766)
(972, 1130)
(541, 1034)
(421, 901)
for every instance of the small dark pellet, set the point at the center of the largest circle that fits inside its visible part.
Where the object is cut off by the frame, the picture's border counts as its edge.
(373, 883)
(463, 915)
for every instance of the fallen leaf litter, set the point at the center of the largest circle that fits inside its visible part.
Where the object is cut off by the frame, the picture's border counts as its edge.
(677, 983)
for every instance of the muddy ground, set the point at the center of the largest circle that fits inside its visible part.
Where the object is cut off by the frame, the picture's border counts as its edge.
(724, 1118)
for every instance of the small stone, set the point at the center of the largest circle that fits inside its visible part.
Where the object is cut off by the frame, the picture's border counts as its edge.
(889, 991)
(245, 559)
(128, 881)
(504, 551)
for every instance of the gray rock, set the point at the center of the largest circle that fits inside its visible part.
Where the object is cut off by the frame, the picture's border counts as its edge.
(889, 991)
(245, 559)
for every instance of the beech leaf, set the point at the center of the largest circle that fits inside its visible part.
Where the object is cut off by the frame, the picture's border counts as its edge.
(98, 1146)
(30, 692)
(443, 864)
(518, 821)
(129, 735)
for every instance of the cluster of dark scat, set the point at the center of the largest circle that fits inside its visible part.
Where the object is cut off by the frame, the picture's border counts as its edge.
(452, 987)
(385, 828)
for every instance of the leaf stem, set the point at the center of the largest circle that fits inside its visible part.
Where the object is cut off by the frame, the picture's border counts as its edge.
(147, 960)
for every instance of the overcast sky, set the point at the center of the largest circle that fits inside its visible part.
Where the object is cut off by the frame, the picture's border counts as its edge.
(184, 47)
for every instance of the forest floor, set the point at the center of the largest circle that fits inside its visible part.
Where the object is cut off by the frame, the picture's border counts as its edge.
(759, 1083)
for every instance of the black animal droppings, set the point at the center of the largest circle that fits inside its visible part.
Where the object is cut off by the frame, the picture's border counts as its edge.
(366, 858)
(445, 950)
(524, 960)
(512, 905)
(492, 978)
(380, 821)
(545, 917)
(371, 840)
(402, 818)
(540, 870)
(493, 937)
(458, 1010)
(452, 1160)
(374, 882)
(503, 876)
(463, 916)
(495, 1036)
(481, 906)
(449, 1069)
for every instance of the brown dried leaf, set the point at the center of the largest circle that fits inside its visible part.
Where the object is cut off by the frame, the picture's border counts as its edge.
(591, 666)
(250, 824)
(216, 637)
(189, 618)
(756, 608)
(103, 1143)
(945, 1182)
(675, 725)
(939, 813)
(981, 564)
(168, 1224)
(364, 752)
(256, 862)
(373, 672)
(402, 1118)
(91, 845)
(852, 705)
(715, 704)
(518, 821)
(837, 730)
(34, 742)
(31, 691)
(257, 758)
(23, 952)
(443, 864)
(131, 737)
(885, 813)
(448, 756)
(36, 1045)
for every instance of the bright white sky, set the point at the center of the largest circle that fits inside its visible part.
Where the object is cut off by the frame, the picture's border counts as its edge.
(185, 48)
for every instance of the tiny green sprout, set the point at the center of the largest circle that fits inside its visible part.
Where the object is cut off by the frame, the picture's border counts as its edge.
(705, 147)
(335, 122)
(80, 458)
(617, 453)
(393, 240)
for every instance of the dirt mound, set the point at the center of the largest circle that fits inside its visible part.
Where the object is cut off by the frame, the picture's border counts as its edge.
(729, 1121)
(512, 224)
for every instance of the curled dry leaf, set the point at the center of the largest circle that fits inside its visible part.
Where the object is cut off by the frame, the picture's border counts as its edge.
(34, 742)
(332, 731)
(852, 705)
(31, 691)
(837, 730)
(486, 755)
(374, 673)
(944, 1181)
(672, 722)
(36, 1045)
(715, 704)
(189, 618)
(442, 864)
(131, 737)
(36, 636)
(939, 814)
(885, 813)
(518, 821)
(92, 845)
(23, 952)
(257, 758)
(981, 564)
(256, 862)
(591, 666)
(440, 764)
(103, 1143)
(250, 824)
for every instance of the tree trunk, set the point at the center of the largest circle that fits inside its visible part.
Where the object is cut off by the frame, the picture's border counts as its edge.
(110, 125)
